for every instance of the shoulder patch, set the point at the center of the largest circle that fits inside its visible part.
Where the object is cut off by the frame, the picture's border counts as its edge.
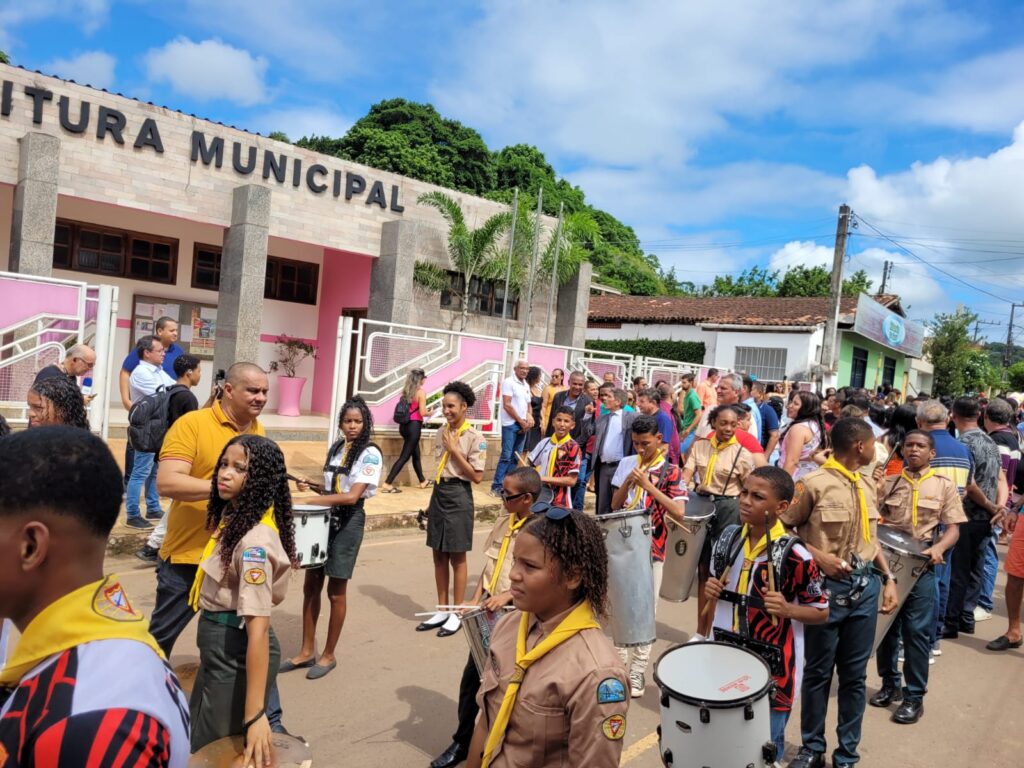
(482, 446)
(370, 458)
(111, 602)
(255, 576)
(369, 471)
(798, 488)
(610, 690)
(254, 555)
(614, 727)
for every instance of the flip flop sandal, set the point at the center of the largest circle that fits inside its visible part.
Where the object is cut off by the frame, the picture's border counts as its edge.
(392, 490)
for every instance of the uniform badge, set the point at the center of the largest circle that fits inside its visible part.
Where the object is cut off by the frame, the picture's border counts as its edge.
(798, 490)
(371, 459)
(610, 690)
(369, 471)
(483, 445)
(254, 555)
(111, 602)
(255, 576)
(614, 727)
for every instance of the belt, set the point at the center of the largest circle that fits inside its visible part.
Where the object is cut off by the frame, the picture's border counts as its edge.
(717, 496)
(446, 480)
(227, 618)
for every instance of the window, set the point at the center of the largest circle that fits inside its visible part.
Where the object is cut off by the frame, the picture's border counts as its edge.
(764, 363)
(87, 248)
(286, 279)
(859, 369)
(486, 297)
(888, 371)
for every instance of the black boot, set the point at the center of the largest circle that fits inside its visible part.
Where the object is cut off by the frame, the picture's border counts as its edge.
(806, 758)
(909, 712)
(886, 696)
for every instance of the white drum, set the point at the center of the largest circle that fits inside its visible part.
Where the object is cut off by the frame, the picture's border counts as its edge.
(627, 538)
(715, 710)
(312, 526)
(907, 564)
(683, 546)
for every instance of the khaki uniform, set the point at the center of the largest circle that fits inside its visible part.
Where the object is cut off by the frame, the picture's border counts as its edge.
(571, 707)
(256, 580)
(938, 502)
(700, 456)
(492, 548)
(826, 514)
(472, 445)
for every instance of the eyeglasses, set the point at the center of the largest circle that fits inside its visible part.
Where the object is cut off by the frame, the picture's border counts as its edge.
(513, 496)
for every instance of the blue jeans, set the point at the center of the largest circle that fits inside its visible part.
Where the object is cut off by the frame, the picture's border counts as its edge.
(512, 440)
(579, 491)
(778, 721)
(988, 583)
(942, 574)
(143, 474)
(914, 624)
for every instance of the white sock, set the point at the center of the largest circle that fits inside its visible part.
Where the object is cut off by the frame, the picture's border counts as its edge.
(452, 623)
(437, 618)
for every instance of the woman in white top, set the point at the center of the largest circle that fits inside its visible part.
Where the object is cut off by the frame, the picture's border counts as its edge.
(805, 439)
(352, 473)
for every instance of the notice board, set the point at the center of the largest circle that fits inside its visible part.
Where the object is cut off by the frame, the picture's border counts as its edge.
(197, 322)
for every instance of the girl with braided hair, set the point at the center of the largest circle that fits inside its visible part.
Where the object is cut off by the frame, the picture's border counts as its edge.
(555, 692)
(352, 474)
(243, 574)
(56, 401)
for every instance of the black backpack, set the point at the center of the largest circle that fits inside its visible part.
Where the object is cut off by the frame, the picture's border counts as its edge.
(147, 419)
(401, 415)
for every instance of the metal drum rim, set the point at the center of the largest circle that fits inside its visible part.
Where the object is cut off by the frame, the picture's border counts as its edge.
(722, 704)
(310, 509)
(623, 515)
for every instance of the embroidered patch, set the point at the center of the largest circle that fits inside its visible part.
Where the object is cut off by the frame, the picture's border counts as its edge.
(798, 489)
(369, 471)
(255, 576)
(371, 458)
(610, 690)
(254, 555)
(482, 446)
(614, 727)
(111, 602)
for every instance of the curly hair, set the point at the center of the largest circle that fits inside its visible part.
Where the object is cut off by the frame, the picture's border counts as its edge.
(359, 444)
(463, 390)
(577, 545)
(266, 484)
(65, 399)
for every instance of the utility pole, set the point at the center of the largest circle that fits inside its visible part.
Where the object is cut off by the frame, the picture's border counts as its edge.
(533, 268)
(828, 345)
(1008, 350)
(554, 272)
(979, 323)
(886, 274)
(508, 266)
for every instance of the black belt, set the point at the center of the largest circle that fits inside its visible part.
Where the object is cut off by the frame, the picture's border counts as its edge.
(227, 618)
(718, 496)
(446, 480)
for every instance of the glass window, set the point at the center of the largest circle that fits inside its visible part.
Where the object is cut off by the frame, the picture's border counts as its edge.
(87, 248)
(486, 297)
(766, 363)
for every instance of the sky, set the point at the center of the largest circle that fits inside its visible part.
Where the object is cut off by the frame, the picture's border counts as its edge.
(725, 134)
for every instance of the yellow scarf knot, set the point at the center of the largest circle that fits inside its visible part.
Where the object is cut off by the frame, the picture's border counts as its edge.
(444, 456)
(503, 552)
(750, 555)
(717, 449)
(915, 491)
(854, 478)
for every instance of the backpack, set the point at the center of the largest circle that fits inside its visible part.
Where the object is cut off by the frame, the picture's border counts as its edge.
(401, 415)
(147, 419)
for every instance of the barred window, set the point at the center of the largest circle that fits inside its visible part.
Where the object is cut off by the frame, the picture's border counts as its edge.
(762, 362)
(90, 248)
(486, 297)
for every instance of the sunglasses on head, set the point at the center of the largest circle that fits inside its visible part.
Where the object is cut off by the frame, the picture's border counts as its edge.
(550, 511)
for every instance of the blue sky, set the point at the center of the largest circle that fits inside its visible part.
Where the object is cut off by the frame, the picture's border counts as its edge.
(726, 135)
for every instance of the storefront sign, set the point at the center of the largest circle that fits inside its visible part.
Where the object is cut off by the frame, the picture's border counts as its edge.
(246, 159)
(875, 322)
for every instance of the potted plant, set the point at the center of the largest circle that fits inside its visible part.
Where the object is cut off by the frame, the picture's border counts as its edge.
(291, 351)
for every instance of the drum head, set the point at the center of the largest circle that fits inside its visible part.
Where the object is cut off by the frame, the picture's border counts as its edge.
(289, 752)
(699, 507)
(309, 509)
(714, 675)
(893, 538)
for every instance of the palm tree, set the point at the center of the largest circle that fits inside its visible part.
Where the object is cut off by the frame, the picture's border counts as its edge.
(472, 252)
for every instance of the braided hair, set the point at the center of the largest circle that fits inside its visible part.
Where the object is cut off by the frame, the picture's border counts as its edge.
(266, 484)
(577, 545)
(362, 440)
(67, 405)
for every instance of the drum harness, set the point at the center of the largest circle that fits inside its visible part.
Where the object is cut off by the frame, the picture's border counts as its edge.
(335, 473)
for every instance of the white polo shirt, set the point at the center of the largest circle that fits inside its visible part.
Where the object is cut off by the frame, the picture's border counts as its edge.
(519, 391)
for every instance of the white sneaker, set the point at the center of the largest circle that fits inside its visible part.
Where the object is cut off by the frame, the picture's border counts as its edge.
(936, 651)
(931, 660)
(980, 614)
(637, 684)
(696, 639)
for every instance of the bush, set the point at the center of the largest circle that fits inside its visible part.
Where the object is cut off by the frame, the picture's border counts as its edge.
(681, 351)
(1015, 377)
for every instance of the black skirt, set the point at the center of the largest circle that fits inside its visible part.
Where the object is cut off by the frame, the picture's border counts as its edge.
(450, 517)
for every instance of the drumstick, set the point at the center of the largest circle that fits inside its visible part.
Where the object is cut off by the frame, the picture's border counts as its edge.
(314, 486)
(771, 561)
(724, 578)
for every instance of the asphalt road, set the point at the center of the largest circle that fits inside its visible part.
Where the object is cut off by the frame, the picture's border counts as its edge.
(392, 699)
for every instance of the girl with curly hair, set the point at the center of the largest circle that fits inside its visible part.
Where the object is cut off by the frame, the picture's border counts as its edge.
(352, 474)
(555, 692)
(461, 454)
(243, 573)
(56, 401)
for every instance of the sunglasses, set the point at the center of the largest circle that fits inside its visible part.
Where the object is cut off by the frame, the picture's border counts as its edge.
(550, 511)
(512, 496)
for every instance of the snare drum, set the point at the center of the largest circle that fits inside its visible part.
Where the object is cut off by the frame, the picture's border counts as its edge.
(312, 528)
(715, 708)
(907, 564)
(476, 626)
(288, 752)
(627, 538)
(683, 547)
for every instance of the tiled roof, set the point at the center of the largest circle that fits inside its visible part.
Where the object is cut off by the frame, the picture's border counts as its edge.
(746, 310)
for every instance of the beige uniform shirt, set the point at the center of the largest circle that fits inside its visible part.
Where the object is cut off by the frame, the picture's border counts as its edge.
(492, 548)
(472, 445)
(697, 463)
(571, 707)
(938, 502)
(257, 579)
(826, 514)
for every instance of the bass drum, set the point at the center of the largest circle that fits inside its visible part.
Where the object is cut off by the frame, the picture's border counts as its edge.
(907, 564)
(312, 529)
(627, 538)
(683, 547)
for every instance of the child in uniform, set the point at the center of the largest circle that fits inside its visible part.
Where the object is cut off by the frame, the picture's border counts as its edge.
(243, 573)
(352, 473)
(558, 460)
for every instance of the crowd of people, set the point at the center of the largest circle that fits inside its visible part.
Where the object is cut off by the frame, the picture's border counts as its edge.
(802, 487)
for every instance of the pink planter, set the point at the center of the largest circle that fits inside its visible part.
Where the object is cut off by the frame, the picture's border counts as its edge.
(289, 394)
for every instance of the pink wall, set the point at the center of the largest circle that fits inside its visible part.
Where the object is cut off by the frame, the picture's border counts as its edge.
(23, 298)
(546, 358)
(344, 284)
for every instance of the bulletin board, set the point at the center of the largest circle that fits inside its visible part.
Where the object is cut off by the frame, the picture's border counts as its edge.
(197, 322)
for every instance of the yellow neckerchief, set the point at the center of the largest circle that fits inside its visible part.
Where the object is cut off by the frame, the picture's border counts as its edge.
(636, 493)
(716, 449)
(208, 551)
(444, 456)
(750, 554)
(503, 552)
(915, 488)
(337, 476)
(853, 477)
(98, 611)
(581, 617)
(555, 443)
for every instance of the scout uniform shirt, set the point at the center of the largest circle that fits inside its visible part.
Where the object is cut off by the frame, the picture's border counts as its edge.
(471, 444)
(571, 707)
(700, 456)
(367, 468)
(256, 580)
(826, 514)
(938, 501)
(492, 549)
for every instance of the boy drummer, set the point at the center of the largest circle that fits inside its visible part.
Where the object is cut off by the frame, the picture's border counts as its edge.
(916, 502)
(781, 601)
(557, 459)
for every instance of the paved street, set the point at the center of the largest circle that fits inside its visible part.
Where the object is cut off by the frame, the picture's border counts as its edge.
(391, 701)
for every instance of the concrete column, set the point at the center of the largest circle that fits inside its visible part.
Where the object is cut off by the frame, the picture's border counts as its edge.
(573, 303)
(35, 205)
(243, 271)
(391, 284)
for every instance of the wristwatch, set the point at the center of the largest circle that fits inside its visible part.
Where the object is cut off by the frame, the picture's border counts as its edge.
(887, 577)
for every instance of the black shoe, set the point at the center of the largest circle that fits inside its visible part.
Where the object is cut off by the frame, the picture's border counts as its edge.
(909, 712)
(148, 555)
(431, 624)
(967, 629)
(807, 758)
(138, 522)
(454, 755)
(950, 634)
(886, 696)
(1003, 643)
(155, 515)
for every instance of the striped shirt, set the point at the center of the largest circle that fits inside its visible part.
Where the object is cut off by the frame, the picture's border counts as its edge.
(952, 459)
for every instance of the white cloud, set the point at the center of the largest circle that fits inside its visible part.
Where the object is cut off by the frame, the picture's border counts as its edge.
(90, 15)
(210, 69)
(303, 121)
(95, 68)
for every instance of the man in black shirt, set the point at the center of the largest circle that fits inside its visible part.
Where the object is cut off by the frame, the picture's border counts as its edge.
(78, 360)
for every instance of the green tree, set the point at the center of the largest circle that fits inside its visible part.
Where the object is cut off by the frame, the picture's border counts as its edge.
(856, 284)
(4, 58)
(950, 350)
(279, 136)
(756, 281)
(1015, 377)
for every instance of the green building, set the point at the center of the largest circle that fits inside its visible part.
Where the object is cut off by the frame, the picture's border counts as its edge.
(874, 348)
